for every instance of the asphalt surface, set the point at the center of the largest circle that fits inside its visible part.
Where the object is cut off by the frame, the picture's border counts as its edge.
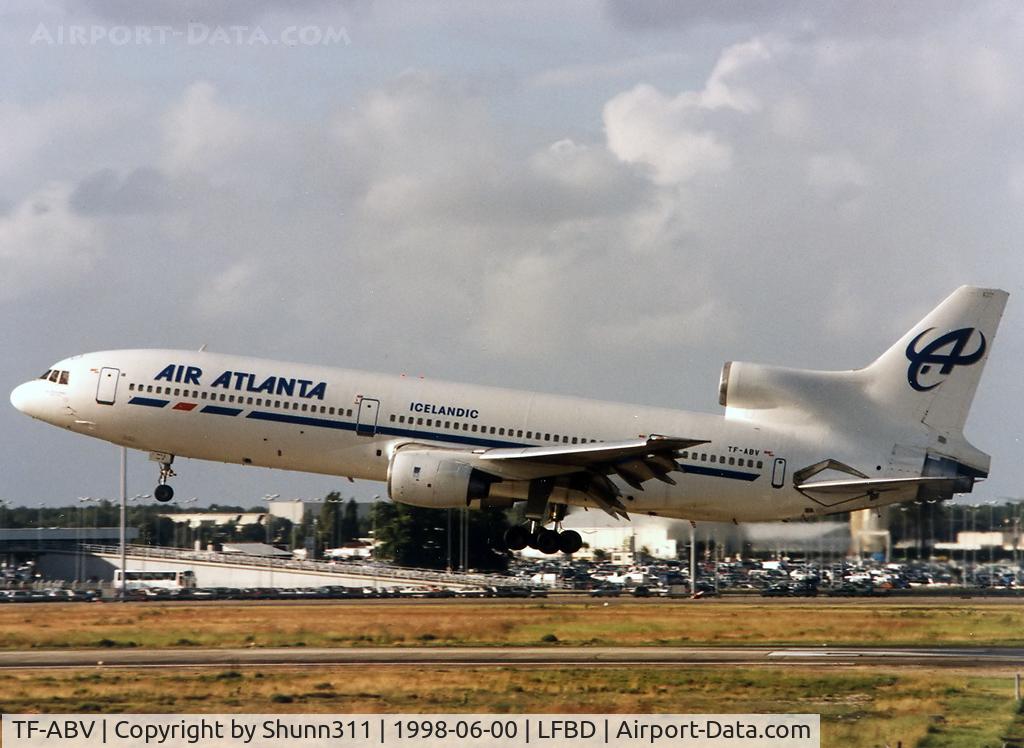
(982, 657)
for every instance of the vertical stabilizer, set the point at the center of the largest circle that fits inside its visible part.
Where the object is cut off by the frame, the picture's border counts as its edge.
(932, 373)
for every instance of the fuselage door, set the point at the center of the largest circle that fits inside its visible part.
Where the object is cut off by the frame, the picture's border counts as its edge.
(778, 472)
(106, 390)
(366, 420)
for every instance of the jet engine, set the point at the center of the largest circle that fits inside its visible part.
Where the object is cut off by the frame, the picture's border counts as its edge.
(436, 479)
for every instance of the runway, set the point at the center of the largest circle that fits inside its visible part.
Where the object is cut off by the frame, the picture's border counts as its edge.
(979, 658)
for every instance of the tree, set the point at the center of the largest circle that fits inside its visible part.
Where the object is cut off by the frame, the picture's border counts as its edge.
(328, 525)
(350, 521)
(414, 536)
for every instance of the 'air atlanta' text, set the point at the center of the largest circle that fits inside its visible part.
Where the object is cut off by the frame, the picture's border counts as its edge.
(242, 381)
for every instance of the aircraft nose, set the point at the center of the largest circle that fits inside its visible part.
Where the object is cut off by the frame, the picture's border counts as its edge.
(21, 397)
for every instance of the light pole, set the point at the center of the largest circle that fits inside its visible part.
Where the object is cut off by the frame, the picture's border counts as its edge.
(4, 505)
(269, 497)
(188, 523)
(39, 525)
(373, 543)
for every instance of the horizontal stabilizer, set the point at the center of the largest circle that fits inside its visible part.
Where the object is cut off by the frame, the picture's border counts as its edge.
(871, 486)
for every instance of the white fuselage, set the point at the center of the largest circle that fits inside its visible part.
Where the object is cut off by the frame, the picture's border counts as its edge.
(349, 423)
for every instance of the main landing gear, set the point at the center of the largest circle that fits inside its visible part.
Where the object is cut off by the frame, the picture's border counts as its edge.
(540, 512)
(543, 539)
(163, 492)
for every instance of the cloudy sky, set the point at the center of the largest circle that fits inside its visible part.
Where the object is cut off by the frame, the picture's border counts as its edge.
(605, 199)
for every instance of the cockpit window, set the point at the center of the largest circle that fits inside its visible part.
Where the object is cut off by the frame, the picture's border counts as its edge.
(53, 375)
(63, 377)
(46, 374)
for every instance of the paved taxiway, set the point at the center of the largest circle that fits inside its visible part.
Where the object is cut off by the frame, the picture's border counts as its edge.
(982, 657)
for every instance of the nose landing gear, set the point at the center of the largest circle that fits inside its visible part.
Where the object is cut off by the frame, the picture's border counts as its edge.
(163, 492)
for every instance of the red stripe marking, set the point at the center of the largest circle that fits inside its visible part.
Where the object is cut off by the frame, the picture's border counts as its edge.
(184, 406)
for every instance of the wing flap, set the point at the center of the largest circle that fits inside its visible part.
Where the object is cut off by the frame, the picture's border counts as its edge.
(594, 453)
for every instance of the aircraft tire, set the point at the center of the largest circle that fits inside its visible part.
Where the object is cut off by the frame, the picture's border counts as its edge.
(569, 541)
(547, 541)
(163, 492)
(517, 538)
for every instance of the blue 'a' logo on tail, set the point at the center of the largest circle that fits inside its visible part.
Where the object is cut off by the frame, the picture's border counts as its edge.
(947, 351)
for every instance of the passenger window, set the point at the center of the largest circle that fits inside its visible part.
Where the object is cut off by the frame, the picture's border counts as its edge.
(131, 387)
(501, 432)
(202, 395)
(231, 398)
(547, 437)
(474, 427)
(149, 388)
(703, 456)
(519, 433)
(732, 460)
(714, 458)
(760, 464)
(419, 421)
(447, 424)
(305, 407)
(465, 427)
(392, 418)
(177, 391)
(529, 434)
(492, 429)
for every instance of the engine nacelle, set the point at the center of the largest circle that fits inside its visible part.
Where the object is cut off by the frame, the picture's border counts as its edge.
(759, 387)
(435, 479)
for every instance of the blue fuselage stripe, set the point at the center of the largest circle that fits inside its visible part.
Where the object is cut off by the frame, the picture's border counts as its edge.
(718, 472)
(468, 439)
(219, 411)
(148, 401)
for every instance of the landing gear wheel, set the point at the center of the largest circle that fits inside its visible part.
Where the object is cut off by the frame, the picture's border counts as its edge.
(163, 492)
(569, 541)
(546, 541)
(517, 538)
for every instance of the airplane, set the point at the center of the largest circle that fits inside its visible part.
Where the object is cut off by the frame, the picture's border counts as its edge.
(791, 443)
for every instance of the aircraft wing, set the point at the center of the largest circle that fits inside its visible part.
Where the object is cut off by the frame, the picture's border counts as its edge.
(589, 465)
(593, 453)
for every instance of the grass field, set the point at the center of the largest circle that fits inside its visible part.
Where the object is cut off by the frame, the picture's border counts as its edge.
(860, 708)
(624, 622)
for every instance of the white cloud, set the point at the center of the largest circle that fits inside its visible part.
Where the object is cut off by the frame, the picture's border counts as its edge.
(833, 173)
(643, 126)
(688, 326)
(231, 293)
(44, 244)
(200, 132)
(674, 136)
